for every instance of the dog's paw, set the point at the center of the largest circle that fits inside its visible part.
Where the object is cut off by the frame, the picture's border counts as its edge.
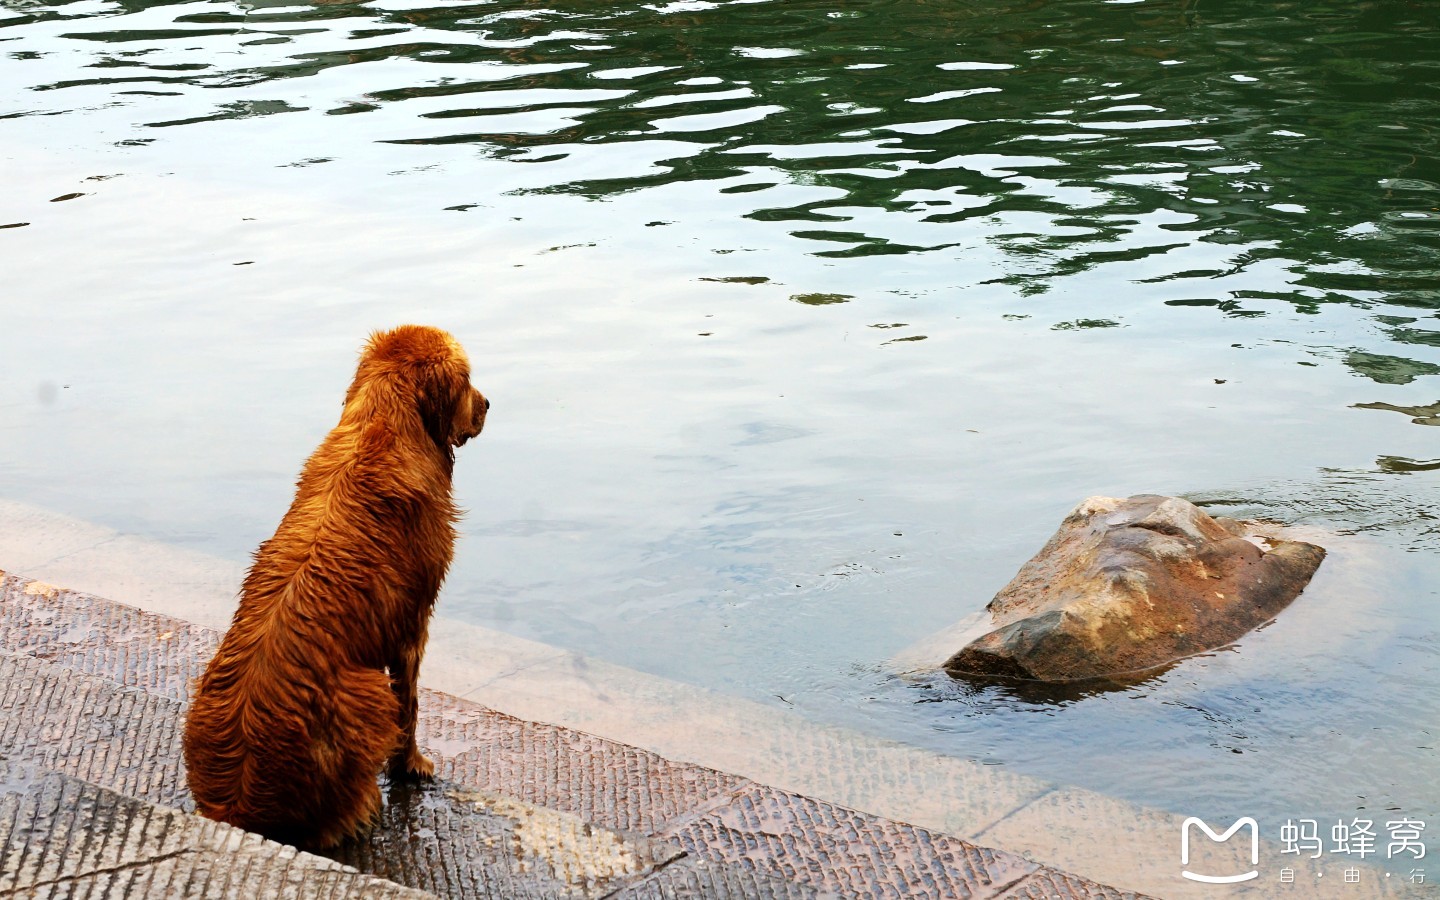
(413, 767)
(419, 766)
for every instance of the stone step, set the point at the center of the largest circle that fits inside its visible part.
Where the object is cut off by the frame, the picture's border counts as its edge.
(520, 808)
(454, 841)
(63, 837)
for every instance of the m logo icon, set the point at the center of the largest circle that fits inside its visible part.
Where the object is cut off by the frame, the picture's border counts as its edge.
(1220, 838)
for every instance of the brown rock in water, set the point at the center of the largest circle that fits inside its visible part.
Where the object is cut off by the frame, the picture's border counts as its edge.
(1127, 585)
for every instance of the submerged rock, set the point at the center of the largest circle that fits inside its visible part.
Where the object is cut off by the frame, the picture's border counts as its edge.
(1132, 584)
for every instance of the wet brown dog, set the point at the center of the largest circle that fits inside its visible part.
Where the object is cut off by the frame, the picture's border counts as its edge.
(313, 690)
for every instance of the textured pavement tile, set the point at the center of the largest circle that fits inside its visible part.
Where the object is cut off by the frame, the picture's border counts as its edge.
(156, 653)
(1049, 884)
(92, 729)
(954, 796)
(61, 837)
(692, 879)
(602, 781)
(762, 744)
(834, 849)
(458, 842)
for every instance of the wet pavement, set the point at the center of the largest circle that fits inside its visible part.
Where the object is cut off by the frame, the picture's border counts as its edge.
(63, 837)
(92, 696)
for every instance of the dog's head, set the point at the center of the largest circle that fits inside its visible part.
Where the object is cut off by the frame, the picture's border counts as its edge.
(427, 368)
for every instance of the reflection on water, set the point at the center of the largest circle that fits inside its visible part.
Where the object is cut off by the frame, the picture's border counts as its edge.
(1068, 136)
(805, 324)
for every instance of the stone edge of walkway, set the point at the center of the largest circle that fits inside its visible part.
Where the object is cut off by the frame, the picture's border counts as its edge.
(713, 816)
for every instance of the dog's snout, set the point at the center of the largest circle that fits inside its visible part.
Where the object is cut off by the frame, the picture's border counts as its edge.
(480, 404)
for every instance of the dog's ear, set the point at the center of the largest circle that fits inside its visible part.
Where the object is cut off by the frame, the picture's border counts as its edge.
(443, 385)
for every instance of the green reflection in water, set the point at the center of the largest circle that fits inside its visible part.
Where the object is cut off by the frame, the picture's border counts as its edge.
(1083, 135)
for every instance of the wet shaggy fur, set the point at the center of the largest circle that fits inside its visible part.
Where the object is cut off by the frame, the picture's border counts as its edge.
(313, 691)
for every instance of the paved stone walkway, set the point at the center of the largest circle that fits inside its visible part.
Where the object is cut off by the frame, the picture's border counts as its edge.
(64, 837)
(93, 800)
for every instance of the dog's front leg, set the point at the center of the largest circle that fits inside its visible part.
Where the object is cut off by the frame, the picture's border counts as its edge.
(408, 761)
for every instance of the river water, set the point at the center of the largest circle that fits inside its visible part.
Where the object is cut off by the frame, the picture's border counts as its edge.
(804, 325)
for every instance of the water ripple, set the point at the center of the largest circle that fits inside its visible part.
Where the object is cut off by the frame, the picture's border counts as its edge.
(775, 288)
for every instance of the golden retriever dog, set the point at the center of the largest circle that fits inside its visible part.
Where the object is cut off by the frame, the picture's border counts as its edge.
(313, 691)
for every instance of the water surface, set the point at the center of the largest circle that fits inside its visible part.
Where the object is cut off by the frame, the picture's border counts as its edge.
(804, 324)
